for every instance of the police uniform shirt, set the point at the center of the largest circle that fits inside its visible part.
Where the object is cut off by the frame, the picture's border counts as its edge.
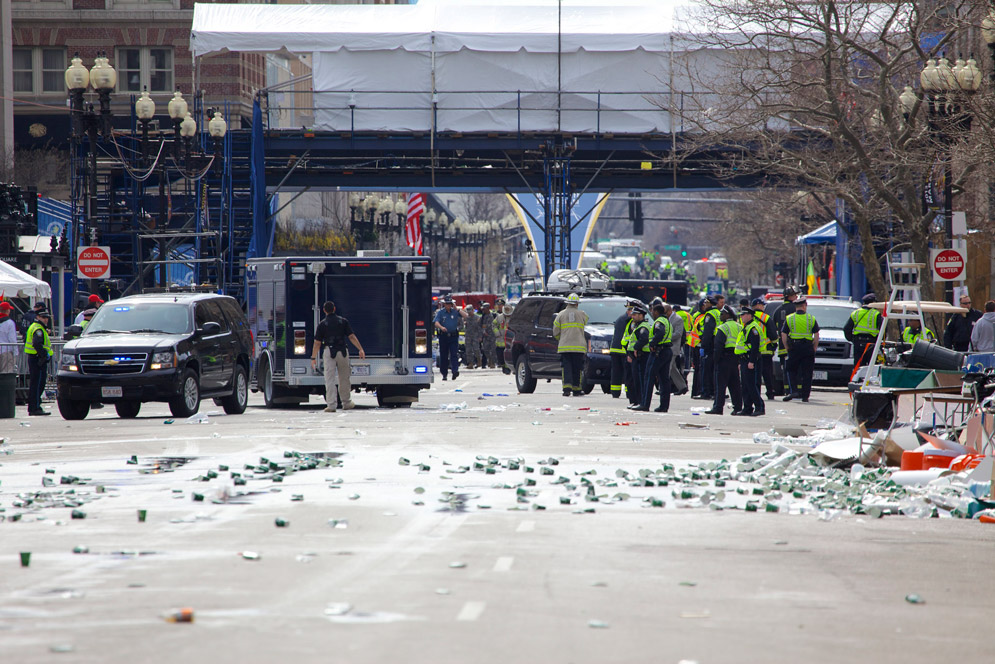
(332, 332)
(448, 319)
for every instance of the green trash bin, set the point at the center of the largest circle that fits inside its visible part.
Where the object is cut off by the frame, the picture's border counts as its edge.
(8, 383)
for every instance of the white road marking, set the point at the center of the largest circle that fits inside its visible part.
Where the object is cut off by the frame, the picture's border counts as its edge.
(526, 527)
(503, 564)
(471, 611)
(572, 443)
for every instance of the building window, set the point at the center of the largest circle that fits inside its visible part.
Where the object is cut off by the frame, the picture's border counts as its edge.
(143, 67)
(39, 70)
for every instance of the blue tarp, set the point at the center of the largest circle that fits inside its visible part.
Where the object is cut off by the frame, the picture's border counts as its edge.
(825, 234)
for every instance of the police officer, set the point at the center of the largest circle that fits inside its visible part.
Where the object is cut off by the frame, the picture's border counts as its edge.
(685, 363)
(572, 344)
(76, 329)
(694, 341)
(38, 348)
(677, 383)
(914, 331)
(616, 349)
(447, 321)
(331, 334)
(29, 317)
(727, 364)
(800, 335)
(862, 330)
(780, 315)
(768, 346)
(636, 349)
(707, 348)
(487, 335)
(658, 361)
(748, 347)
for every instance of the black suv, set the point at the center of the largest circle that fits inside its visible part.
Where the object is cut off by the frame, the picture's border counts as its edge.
(167, 347)
(531, 348)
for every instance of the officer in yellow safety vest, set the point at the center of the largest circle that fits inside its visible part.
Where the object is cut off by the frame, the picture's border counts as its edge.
(616, 351)
(38, 348)
(768, 345)
(800, 335)
(694, 341)
(684, 361)
(637, 347)
(779, 316)
(707, 349)
(748, 348)
(572, 344)
(657, 370)
(727, 364)
(862, 330)
(914, 331)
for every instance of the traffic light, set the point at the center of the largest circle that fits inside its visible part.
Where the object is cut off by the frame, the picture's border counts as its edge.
(684, 252)
(636, 213)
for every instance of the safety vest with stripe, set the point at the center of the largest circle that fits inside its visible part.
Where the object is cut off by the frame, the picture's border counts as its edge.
(568, 329)
(686, 319)
(29, 347)
(634, 340)
(627, 335)
(800, 327)
(866, 321)
(732, 330)
(668, 337)
(910, 337)
(742, 345)
(694, 335)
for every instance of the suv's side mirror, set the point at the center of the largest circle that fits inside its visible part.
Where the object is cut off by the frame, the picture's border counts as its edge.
(210, 328)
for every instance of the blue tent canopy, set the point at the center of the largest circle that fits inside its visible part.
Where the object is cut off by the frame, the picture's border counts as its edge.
(825, 234)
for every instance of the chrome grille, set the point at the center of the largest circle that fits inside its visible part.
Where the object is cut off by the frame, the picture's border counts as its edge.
(112, 364)
(837, 349)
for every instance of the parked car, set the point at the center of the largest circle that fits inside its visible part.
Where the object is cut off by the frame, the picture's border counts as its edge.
(176, 348)
(531, 349)
(834, 357)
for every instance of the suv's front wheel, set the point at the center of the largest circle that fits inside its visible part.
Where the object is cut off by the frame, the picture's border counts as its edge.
(188, 401)
(72, 409)
(524, 381)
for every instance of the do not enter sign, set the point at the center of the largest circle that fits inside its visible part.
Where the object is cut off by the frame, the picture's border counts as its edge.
(93, 262)
(949, 264)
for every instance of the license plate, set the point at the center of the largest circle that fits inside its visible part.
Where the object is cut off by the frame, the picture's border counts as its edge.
(111, 392)
(361, 370)
(820, 375)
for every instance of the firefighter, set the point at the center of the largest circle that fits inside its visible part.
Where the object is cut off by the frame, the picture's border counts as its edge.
(616, 349)
(726, 364)
(800, 335)
(748, 348)
(862, 330)
(768, 346)
(572, 344)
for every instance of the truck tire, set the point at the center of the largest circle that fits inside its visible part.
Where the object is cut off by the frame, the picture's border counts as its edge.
(606, 388)
(127, 410)
(524, 381)
(72, 409)
(266, 384)
(396, 396)
(235, 403)
(188, 401)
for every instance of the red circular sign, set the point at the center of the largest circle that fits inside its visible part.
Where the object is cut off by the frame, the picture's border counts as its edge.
(94, 263)
(949, 264)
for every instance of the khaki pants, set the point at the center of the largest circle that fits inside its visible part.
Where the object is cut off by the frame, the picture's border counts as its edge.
(337, 370)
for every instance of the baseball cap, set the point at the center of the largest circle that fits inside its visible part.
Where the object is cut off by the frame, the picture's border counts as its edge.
(756, 301)
(38, 306)
(6, 306)
(95, 298)
(869, 298)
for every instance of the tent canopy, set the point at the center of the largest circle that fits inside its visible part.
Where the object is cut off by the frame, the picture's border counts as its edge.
(16, 283)
(825, 234)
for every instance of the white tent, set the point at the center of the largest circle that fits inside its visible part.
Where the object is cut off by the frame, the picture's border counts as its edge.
(15, 283)
(472, 65)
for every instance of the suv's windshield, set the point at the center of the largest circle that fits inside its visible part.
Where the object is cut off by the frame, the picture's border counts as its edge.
(602, 312)
(829, 317)
(152, 317)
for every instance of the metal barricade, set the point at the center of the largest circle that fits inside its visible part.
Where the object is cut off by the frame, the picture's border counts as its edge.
(20, 365)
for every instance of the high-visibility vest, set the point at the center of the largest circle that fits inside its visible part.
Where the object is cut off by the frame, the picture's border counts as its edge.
(633, 340)
(686, 319)
(866, 321)
(627, 336)
(766, 343)
(29, 347)
(800, 327)
(500, 327)
(732, 330)
(694, 336)
(742, 347)
(910, 337)
(669, 336)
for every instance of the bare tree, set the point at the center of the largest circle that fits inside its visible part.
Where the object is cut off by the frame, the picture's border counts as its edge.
(809, 95)
(482, 207)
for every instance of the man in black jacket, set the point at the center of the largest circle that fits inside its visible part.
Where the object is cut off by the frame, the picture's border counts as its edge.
(959, 327)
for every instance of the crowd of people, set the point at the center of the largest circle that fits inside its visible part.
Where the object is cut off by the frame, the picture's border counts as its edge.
(483, 335)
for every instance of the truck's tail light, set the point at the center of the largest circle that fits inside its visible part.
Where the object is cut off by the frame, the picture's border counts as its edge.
(421, 341)
(300, 342)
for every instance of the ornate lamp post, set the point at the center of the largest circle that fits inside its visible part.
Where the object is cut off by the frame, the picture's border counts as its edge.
(145, 111)
(217, 128)
(177, 109)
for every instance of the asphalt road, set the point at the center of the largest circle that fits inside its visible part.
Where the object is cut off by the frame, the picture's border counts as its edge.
(398, 549)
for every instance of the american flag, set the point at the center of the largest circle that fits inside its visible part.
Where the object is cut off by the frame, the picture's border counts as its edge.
(416, 206)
